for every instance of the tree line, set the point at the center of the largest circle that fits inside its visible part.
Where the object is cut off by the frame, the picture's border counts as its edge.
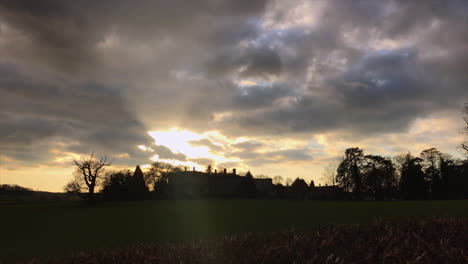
(90, 176)
(431, 175)
(91, 181)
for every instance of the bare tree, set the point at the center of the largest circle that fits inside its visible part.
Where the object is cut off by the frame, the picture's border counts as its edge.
(278, 179)
(329, 172)
(262, 176)
(431, 162)
(74, 187)
(158, 173)
(88, 175)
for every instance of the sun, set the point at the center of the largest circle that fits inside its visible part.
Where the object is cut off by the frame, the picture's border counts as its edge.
(179, 141)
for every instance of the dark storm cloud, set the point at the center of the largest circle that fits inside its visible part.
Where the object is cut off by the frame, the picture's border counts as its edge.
(260, 62)
(384, 92)
(99, 74)
(39, 107)
(257, 96)
(76, 101)
(65, 33)
(364, 89)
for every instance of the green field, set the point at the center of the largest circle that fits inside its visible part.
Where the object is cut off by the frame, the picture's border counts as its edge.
(61, 228)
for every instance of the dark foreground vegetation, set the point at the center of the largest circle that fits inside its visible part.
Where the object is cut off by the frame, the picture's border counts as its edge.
(436, 240)
(62, 229)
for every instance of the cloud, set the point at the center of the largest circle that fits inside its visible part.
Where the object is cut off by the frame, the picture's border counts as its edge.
(308, 73)
(383, 92)
(39, 109)
(165, 153)
(65, 33)
(203, 161)
(258, 153)
(206, 143)
(290, 154)
(78, 76)
(248, 145)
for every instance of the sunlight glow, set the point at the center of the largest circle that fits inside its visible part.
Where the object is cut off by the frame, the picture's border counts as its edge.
(178, 141)
(247, 83)
(64, 157)
(189, 164)
(143, 147)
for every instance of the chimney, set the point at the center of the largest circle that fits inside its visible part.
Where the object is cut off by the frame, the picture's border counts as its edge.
(234, 171)
(225, 171)
(185, 168)
(216, 171)
(193, 168)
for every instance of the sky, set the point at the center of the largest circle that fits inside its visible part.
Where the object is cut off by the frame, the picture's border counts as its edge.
(274, 87)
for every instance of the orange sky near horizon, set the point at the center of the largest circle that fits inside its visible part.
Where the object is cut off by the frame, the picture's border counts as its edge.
(440, 132)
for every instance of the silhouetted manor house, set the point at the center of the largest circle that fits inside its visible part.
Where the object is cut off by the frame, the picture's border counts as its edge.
(192, 184)
(196, 183)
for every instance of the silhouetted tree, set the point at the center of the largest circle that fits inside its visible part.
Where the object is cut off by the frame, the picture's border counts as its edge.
(88, 175)
(462, 172)
(278, 180)
(453, 178)
(138, 187)
(431, 167)
(209, 169)
(312, 184)
(117, 185)
(74, 187)
(378, 175)
(412, 184)
(433, 175)
(157, 175)
(390, 179)
(329, 172)
(348, 174)
(449, 180)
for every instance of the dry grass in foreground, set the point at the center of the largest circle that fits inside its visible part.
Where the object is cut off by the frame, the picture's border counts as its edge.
(436, 240)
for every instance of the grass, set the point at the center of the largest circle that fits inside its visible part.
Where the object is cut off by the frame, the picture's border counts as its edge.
(52, 229)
